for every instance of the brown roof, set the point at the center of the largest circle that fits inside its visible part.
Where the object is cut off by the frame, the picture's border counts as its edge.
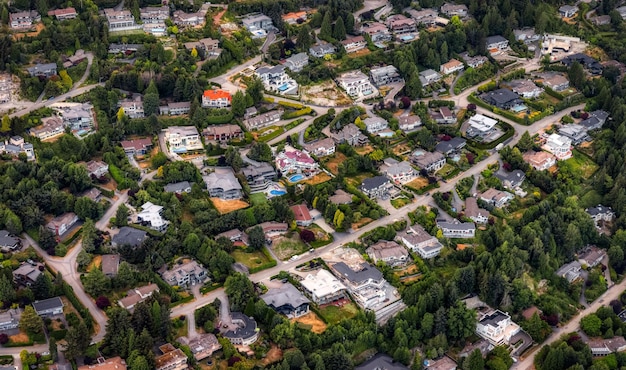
(386, 249)
(136, 144)
(472, 209)
(301, 212)
(169, 357)
(110, 264)
(353, 39)
(537, 158)
(115, 363)
(530, 312)
(340, 197)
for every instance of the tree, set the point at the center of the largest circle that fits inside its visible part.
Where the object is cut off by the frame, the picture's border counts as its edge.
(76, 341)
(233, 158)
(326, 28)
(350, 23)
(256, 238)
(89, 233)
(591, 325)
(194, 53)
(96, 283)
(474, 361)
(7, 292)
(30, 322)
(239, 290)
(121, 216)
(120, 114)
(537, 328)
(303, 41)
(576, 75)
(43, 288)
(4, 339)
(6, 124)
(461, 322)
(339, 31)
(239, 104)
(525, 142)
(307, 236)
(103, 302)
(260, 152)
(255, 90)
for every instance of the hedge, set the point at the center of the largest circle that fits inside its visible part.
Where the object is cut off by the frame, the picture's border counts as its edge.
(106, 192)
(118, 175)
(507, 135)
(297, 113)
(68, 292)
(289, 104)
(218, 120)
(272, 262)
(293, 124)
(58, 334)
(423, 190)
(553, 93)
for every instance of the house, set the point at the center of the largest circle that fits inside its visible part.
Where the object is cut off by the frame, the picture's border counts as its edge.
(525, 88)
(49, 307)
(293, 160)
(351, 135)
(443, 116)
(475, 61)
(385, 75)
(365, 283)
(294, 17)
(246, 332)
(97, 169)
(129, 236)
(15, 146)
(570, 271)
(287, 300)
(409, 123)
(496, 42)
(263, 120)
(481, 126)
(568, 11)
(50, 127)
(451, 146)
(593, 66)
(418, 240)
(277, 80)
(451, 10)
(259, 176)
(398, 172)
(501, 98)
(600, 213)
(133, 108)
(481, 344)
(184, 274)
(456, 229)
(353, 44)
(78, 117)
(375, 124)
(400, 25)
(539, 160)
(556, 82)
(223, 184)
(137, 295)
(355, 83)
(340, 197)
(216, 98)
(297, 62)
(137, 146)
(126, 49)
(209, 46)
(576, 133)
(526, 35)
(27, 273)
(183, 139)
(591, 256)
(273, 229)
(323, 287)
(389, 252)
(476, 214)
(23, 20)
(171, 359)
(451, 66)
(114, 363)
(154, 14)
(63, 223)
(604, 347)
(120, 20)
(430, 162)
(376, 187)
(236, 236)
(511, 180)
(496, 198)
(322, 49)
(8, 242)
(202, 345)
(110, 264)
(255, 22)
(183, 19)
(250, 112)
(175, 109)
(426, 17)
(63, 14)
(43, 70)
(10, 319)
(178, 187)
(558, 145)
(151, 215)
(601, 20)
(595, 121)
(497, 327)
(381, 362)
(622, 11)
(429, 76)
(301, 215)
(377, 32)
(443, 363)
(321, 148)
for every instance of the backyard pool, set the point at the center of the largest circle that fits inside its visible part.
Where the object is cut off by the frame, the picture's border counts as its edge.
(283, 87)
(296, 178)
(277, 192)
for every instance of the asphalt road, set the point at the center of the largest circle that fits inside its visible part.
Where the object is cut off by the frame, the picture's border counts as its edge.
(60, 98)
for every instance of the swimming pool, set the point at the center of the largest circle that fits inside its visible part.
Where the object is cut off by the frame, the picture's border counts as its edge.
(284, 87)
(277, 192)
(407, 37)
(296, 178)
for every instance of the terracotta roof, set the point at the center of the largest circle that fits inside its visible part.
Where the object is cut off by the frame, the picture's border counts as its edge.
(217, 94)
(301, 212)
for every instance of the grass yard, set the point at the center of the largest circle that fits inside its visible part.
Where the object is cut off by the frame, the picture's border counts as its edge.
(227, 206)
(417, 183)
(401, 149)
(357, 179)
(362, 222)
(334, 314)
(250, 259)
(95, 263)
(318, 179)
(400, 202)
(311, 322)
(333, 162)
(363, 150)
(321, 237)
(446, 170)
(580, 165)
(258, 198)
(285, 248)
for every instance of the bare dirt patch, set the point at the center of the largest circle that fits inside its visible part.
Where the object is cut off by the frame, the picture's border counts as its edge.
(275, 354)
(363, 150)
(362, 222)
(95, 263)
(20, 337)
(326, 93)
(111, 185)
(311, 320)
(227, 206)
(38, 28)
(333, 162)
(417, 183)
(359, 53)
(401, 149)
(318, 179)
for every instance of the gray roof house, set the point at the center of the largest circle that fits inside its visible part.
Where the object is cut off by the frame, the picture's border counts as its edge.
(223, 184)
(8, 242)
(322, 49)
(570, 271)
(389, 252)
(43, 70)
(596, 120)
(48, 307)
(366, 275)
(451, 146)
(297, 62)
(287, 300)
(129, 236)
(27, 273)
(110, 264)
(501, 98)
(381, 362)
(10, 319)
(178, 187)
(456, 229)
(512, 179)
(246, 332)
(376, 187)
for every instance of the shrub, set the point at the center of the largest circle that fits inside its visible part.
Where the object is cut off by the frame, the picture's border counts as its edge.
(103, 302)
(307, 236)
(4, 339)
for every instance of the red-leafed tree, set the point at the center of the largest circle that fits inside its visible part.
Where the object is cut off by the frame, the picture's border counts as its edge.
(103, 302)
(307, 236)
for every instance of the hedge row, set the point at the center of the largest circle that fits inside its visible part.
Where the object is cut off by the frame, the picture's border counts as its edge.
(68, 292)
(218, 120)
(297, 113)
(289, 104)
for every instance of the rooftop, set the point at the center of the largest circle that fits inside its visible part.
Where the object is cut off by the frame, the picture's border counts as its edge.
(367, 272)
(287, 294)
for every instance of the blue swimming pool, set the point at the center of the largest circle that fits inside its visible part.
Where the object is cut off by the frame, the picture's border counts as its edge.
(407, 37)
(277, 192)
(296, 178)
(283, 87)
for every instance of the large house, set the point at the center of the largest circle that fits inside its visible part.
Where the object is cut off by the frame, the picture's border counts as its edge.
(137, 295)
(287, 300)
(273, 229)
(443, 116)
(171, 359)
(570, 271)
(175, 109)
(511, 180)
(42, 70)
(323, 287)
(222, 133)
(353, 44)
(381, 362)
(183, 19)
(501, 98)
(365, 283)
(15, 146)
(183, 139)
(133, 108)
(375, 124)
(604, 347)
(208, 46)
(418, 240)
(496, 42)
(246, 332)
(263, 120)
(451, 146)
(154, 14)
(568, 11)
(236, 236)
(385, 75)
(297, 62)
(259, 176)
(451, 66)
(377, 32)
(129, 236)
(356, 84)
(10, 319)
(481, 126)
(184, 274)
(178, 187)
(114, 363)
(97, 169)
(576, 133)
(277, 80)
(430, 162)
(474, 61)
(292, 160)
(321, 50)
(49, 307)
(556, 82)
(429, 76)
(294, 17)
(398, 172)
(476, 214)
(301, 215)
(400, 25)
(497, 327)
(202, 345)
(593, 66)
(223, 184)
(137, 146)
(120, 20)
(409, 123)
(496, 198)
(258, 24)
(110, 264)
(451, 10)
(376, 187)
(426, 17)
(79, 117)
(62, 224)
(321, 148)
(63, 14)
(351, 135)
(600, 213)
(558, 145)
(595, 120)
(27, 273)
(539, 160)
(8, 242)
(23, 20)
(389, 252)
(50, 127)
(216, 98)
(525, 88)
(151, 215)
(456, 229)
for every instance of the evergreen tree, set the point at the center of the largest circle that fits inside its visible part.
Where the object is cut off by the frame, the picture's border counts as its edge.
(77, 342)
(239, 104)
(304, 41)
(349, 23)
(6, 125)
(151, 100)
(30, 322)
(339, 31)
(326, 29)
(7, 292)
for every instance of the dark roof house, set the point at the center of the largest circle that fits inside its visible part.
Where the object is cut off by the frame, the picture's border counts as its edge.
(287, 300)
(128, 235)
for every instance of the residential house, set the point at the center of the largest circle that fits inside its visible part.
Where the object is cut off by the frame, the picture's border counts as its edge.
(428, 77)
(526, 35)
(120, 20)
(389, 252)
(63, 14)
(79, 117)
(377, 32)
(277, 80)
(481, 126)
(297, 62)
(97, 169)
(216, 98)
(604, 347)
(601, 20)
(496, 198)
(151, 215)
(63, 223)
(23, 20)
(418, 240)
(375, 124)
(287, 300)
(496, 42)
(595, 121)
(255, 22)
(593, 66)
(10, 319)
(43, 70)
(443, 116)
(570, 271)
(622, 11)
(208, 46)
(50, 127)
(539, 160)
(322, 49)
(409, 123)
(178, 187)
(175, 109)
(293, 160)
(398, 172)
(501, 98)
(426, 17)
(430, 162)
(381, 362)
(351, 135)
(183, 139)
(558, 145)
(451, 66)
(246, 332)
(8, 242)
(353, 44)
(223, 184)
(497, 327)
(475, 61)
(259, 176)
(137, 295)
(340, 197)
(126, 49)
(294, 17)
(556, 82)
(385, 75)
(376, 187)
(273, 229)
(115, 363)
(263, 120)
(110, 264)
(301, 215)
(476, 214)
(202, 345)
(154, 14)
(356, 83)
(456, 229)
(591, 256)
(323, 287)
(600, 213)
(400, 25)
(568, 11)
(49, 307)
(576, 133)
(27, 273)
(250, 112)
(129, 236)
(526, 88)
(183, 19)
(442, 363)
(133, 108)
(236, 236)
(171, 359)
(365, 284)
(451, 10)
(511, 180)
(137, 146)
(16, 145)
(184, 274)
(321, 148)
(451, 147)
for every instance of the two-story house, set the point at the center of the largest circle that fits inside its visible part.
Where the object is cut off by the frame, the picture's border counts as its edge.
(216, 98)
(356, 84)
(321, 148)
(185, 274)
(418, 240)
(558, 145)
(151, 215)
(385, 75)
(322, 49)
(497, 327)
(223, 184)
(496, 198)
(354, 44)
(430, 162)
(539, 160)
(453, 65)
(398, 172)
(388, 252)
(297, 62)
(376, 187)
(456, 229)
(475, 213)
(183, 139)
(375, 124)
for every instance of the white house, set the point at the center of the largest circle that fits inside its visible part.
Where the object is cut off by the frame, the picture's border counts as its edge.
(133, 108)
(409, 123)
(183, 139)
(600, 213)
(297, 62)
(216, 98)
(375, 124)
(497, 42)
(568, 11)
(120, 20)
(418, 240)
(49, 307)
(151, 216)
(61, 224)
(481, 126)
(184, 274)
(356, 84)
(452, 66)
(277, 80)
(323, 287)
(539, 160)
(497, 327)
(476, 214)
(354, 44)
(429, 76)
(398, 172)
(223, 184)
(321, 148)
(431, 162)
(496, 198)
(526, 88)
(456, 229)
(385, 75)
(558, 145)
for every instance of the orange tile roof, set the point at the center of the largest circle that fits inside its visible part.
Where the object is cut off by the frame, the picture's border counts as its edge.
(217, 94)
(294, 15)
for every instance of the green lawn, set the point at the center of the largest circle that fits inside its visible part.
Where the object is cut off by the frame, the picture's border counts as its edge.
(252, 259)
(258, 198)
(446, 170)
(580, 165)
(334, 314)
(286, 248)
(400, 202)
